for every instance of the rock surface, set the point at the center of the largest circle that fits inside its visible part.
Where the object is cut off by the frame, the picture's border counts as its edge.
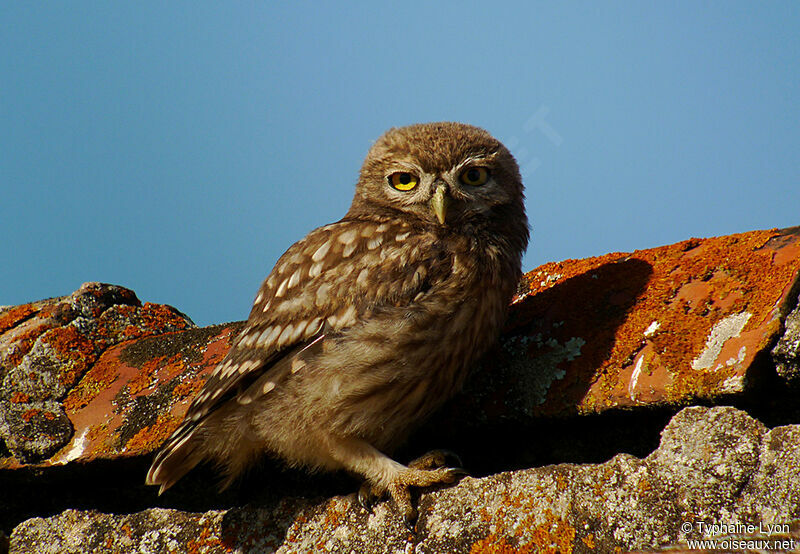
(46, 349)
(714, 466)
(597, 357)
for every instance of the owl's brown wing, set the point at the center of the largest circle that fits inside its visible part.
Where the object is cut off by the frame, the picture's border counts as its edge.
(323, 284)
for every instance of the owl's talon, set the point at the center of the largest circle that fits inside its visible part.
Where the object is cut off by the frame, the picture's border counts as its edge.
(367, 496)
(410, 521)
(456, 473)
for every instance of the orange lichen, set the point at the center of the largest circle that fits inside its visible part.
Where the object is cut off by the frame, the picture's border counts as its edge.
(588, 540)
(520, 522)
(28, 415)
(144, 378)
(686, 288)
(203, 541)
(24, 341)
(96, 380)
(151, 437)
(188, 388)
(159, 316)
(98, 433)
(11, 317)
(19, 397)
(493, 545)
(72, 347)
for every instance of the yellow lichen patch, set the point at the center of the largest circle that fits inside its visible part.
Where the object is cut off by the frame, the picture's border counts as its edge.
(188, 388)
(493, 545)
(561, 482)
(96, 380)
(73, 347)
(98, 435)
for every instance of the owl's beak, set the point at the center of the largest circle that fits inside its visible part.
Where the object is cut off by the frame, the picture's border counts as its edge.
(439, 203)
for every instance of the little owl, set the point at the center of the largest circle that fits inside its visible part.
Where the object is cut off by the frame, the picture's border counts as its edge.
(369, 324)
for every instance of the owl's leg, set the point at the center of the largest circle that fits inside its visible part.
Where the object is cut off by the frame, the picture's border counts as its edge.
(384, 475)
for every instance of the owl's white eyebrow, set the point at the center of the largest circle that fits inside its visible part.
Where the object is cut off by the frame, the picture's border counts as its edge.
(473, 160)
(405, 165)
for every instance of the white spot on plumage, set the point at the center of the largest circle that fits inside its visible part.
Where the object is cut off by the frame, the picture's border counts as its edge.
(266, 306)
(348, 237)
(367, 231)
(382, 227)
(297, 365)
(259, 297)
(282, 288)
(348, 317)
(314, 326)
(362, 277)
(375, 242)
(223, 374)
(315, 270)
(268, 386)
(291, 305)
(262, 338)
(402, 236)
(299, 329)
(272, 336)
(220, 368)
(294, 279)
(285, 334)
(321, 252)
(349, 249)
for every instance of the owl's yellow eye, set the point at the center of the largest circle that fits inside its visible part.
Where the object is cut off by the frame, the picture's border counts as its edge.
(403, 181)
(475, 176)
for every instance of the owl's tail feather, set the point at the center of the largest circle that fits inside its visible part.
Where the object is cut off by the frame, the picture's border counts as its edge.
(177, 457)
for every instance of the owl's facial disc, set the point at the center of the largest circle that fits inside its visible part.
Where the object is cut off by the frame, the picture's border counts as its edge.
(439, 202)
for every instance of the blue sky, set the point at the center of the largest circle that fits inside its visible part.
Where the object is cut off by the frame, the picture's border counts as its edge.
(179, 148)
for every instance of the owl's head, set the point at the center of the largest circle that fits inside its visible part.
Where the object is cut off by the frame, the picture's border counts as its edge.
(443, 174)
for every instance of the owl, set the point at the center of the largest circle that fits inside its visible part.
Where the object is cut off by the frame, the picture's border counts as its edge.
(367, 325)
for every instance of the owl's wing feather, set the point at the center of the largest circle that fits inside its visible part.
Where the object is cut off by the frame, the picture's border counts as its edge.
(323, 284)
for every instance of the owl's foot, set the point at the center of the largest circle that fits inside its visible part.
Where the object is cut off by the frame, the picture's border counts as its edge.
(436, 459)
(430, 469)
